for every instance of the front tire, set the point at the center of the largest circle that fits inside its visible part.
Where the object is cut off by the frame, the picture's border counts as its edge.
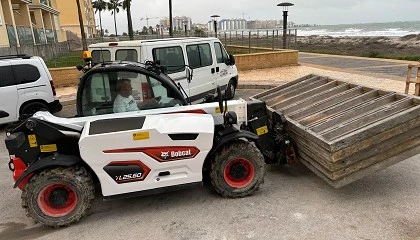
(59, 196)
(231, 89)
(237, 170)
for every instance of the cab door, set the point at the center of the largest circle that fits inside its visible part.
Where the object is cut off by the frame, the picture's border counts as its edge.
(8, 91)
(222, 69)
(201, 60)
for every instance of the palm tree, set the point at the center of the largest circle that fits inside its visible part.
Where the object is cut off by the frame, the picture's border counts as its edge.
(114, 7)
(82, 28)
(127, 6)
(99, 6)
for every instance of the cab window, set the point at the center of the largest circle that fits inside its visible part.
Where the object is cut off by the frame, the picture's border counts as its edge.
(221, 55)
(199, 55)
(172, 57)
(99, 56)
(123, 91)
(126, 55)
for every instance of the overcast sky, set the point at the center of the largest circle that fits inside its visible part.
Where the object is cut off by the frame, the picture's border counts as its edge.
(304, 11)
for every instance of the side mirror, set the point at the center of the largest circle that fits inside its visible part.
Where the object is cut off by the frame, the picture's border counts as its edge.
(189, 74)
(3, 114)
(231, 59)
(79, 67)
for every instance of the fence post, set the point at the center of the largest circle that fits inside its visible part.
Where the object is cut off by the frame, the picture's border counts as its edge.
(273, 40)
(288, 39)
(258, 36)
(267, 42)
(249, 42)
(230, 38)
(242, 40)
(236, 37)
(226, 43)
(295, 38)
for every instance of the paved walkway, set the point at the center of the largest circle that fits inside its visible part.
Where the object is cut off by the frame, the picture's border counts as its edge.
(376, 73)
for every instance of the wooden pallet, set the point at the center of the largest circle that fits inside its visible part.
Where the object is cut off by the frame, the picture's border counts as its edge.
(343, 131)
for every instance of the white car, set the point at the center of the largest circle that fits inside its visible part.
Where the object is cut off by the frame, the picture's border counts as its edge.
(26, 87)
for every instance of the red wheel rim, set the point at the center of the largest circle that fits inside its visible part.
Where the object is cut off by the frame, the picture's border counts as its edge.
(239, 172)
(57, 200)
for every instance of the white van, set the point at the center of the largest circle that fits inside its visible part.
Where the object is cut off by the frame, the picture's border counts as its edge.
(211, 64)
(26, 87)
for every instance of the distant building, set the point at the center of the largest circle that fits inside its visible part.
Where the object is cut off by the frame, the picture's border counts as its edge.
(178, 23)
(28, 22)
(69, 17)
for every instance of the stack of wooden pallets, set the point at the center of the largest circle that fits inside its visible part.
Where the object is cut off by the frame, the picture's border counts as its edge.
(344, 131)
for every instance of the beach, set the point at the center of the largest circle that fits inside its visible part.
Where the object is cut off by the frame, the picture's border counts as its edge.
(406, 47)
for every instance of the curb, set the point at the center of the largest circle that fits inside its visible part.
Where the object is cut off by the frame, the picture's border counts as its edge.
(240, 86)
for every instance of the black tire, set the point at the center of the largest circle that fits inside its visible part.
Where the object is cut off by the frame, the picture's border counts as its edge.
(225, 171)
(231, 89)
(59, 196)
(33, 107)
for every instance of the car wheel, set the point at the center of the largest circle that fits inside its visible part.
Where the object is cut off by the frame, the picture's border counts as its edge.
(230, 90)
(33, 107)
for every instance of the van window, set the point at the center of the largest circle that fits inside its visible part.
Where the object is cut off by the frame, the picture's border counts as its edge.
(99, 56)
(172, 57)
(199, 55)
(25, 73)
(7, 78)
(126, 55)
(221, 55)
(104, 92)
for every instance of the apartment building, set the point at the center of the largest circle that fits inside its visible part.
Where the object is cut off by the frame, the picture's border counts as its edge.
(27, 22)
(69, 17)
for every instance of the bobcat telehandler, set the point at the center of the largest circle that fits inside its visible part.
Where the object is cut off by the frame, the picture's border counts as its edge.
(169, 144)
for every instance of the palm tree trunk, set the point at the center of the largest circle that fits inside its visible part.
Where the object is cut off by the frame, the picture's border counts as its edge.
(100, 23)
(115, 22)
(130, 22)
(82, 28)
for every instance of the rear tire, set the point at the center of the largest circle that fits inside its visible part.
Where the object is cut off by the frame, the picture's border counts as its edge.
(231, 89)
(237, 170)
(33, 107)
(59, 196)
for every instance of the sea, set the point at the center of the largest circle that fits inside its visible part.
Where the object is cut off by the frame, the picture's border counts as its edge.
(388, 29)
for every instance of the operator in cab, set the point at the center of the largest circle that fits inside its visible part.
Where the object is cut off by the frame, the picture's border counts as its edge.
(125, 102)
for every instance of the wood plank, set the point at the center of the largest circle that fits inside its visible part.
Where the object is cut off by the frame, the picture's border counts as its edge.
(342, 142)
(327, 103)
(314, 99)
(351, 113)
(265, 93)
(374, 139)
(320, 117)
(286, 94)
(364, 172)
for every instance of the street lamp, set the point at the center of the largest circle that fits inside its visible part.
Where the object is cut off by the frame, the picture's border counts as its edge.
(170, 19)
(285, 6)
(215, 23)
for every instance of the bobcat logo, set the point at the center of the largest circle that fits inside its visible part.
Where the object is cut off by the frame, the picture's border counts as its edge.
(164, 155)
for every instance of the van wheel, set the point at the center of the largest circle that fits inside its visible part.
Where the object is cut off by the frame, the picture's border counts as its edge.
(231, 89)
(32, 108)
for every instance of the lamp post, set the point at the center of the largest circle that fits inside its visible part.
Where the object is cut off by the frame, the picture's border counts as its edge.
(185, 26)
(285, 6)
(215, 23)
(170, 19)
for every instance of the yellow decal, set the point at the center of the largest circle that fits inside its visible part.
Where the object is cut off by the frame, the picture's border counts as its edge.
(32, 140)
(218, 109)
(262, 130)
(48, 148)
(140, 136)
